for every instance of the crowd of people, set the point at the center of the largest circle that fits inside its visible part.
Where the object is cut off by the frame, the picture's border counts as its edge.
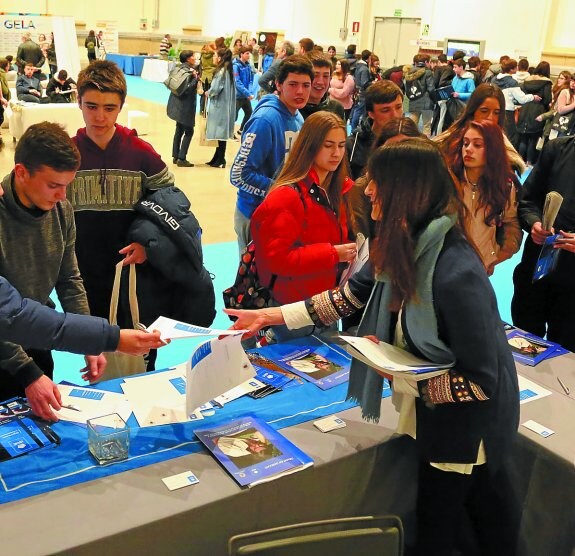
(326, 154)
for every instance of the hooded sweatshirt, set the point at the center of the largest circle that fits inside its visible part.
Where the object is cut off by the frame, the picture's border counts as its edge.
(464, 85)
(108, 184)
(267, 138)
(511, 91)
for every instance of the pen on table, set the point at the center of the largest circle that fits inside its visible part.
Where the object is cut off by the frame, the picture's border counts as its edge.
(70, 406)
(565, 389)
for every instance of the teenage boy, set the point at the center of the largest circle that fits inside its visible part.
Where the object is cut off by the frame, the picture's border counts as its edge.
(318, 96)
(37, 242)
(362, 77)
(125, 207)
(117, 168)
(267, 139)
(244, 77)
(383, 102)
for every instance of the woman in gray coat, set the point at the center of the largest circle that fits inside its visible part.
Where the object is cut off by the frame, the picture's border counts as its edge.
(222, 107)
(182, 109)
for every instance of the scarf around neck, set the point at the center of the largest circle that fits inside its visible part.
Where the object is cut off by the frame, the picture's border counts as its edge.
(366, 385)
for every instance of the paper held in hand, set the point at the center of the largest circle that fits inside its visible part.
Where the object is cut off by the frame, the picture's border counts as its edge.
(553, 201)
(171, 329)
(392, 360)
(361, 258)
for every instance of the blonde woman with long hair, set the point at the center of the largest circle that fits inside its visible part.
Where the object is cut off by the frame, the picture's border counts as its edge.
(301, 230)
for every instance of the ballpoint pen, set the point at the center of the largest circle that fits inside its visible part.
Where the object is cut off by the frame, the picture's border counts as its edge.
(565, 389)
(70, 406)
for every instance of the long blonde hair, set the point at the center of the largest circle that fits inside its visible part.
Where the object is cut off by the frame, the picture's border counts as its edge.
(302, 155)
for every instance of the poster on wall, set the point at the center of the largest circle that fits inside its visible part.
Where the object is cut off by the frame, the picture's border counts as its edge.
(266, 39)
(14, 26)
(109, 30)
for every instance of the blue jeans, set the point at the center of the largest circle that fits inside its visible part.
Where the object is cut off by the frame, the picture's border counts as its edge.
(242, 229)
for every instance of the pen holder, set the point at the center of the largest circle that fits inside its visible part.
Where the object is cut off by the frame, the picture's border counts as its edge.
(108, 438)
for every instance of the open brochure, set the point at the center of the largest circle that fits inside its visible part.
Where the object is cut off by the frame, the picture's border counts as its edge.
(392, 360)
(251, 451)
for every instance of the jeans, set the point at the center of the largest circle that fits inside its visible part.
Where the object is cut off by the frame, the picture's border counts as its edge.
(357, 112)
(242, 229)
(427, 116)
(182, 140)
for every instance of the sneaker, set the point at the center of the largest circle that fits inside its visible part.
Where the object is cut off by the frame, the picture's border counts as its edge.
(184, 164)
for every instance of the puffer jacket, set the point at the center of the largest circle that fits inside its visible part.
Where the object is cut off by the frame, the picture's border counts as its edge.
(294, 232)
(535, 85)
(173, 282)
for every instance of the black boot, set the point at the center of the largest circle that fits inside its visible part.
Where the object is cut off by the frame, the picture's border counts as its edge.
(214, 158)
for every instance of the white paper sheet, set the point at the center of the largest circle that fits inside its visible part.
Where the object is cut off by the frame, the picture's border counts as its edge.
(91, 403)
(216, 367)
(173, 330)
(530, 391)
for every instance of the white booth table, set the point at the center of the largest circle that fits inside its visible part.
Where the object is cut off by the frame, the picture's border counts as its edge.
(156, 70)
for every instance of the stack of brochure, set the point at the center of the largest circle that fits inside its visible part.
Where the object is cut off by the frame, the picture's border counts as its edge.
(530, 349)
(392, 360)
(251, 451)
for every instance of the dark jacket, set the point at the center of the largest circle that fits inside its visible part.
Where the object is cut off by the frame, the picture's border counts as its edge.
(182, 109)
(29, 51)
(358, 147)
(468, 320)
(424, 76)
(535, 85)
(173, 282)
(327, 105)
(362, 78)
(553, 172)
(33, 325)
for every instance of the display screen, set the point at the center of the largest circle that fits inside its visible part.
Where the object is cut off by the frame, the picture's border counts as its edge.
(471, 48)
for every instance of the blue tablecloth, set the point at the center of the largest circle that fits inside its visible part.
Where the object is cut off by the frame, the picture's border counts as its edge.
(70, 463)
(129, 64)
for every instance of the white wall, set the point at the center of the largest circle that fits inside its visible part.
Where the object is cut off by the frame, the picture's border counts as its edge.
(517, 28)
(513, 28)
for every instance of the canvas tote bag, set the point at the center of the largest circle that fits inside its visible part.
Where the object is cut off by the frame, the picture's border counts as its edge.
(204, 142)
(121, 364)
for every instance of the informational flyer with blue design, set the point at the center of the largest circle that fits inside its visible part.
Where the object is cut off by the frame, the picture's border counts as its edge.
(325, 365)
(252, 451)
(530, 349)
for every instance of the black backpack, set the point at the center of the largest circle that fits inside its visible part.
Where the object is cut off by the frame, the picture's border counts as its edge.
(414, 89)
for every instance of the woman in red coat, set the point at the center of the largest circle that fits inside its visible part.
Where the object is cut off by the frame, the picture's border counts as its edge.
(301, 230)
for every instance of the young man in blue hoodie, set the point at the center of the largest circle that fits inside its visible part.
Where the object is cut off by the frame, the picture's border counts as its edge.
(267, 139)
(244, 77)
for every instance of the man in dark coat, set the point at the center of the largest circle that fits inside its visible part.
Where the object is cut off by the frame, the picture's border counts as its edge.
(182, 109)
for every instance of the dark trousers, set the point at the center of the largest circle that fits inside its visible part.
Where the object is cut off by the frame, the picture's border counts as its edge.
(33, 98)
(476, 514)
(511, 127)
(220, 155)
(10, 386)
(546, 307)
(526, 146)
(246, 105)
(206, 84)
(182, 140)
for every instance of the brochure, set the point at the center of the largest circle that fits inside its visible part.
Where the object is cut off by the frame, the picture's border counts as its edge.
(252, 451)
(548, 258)
(325, 365)
(392, 360)
(20, 435)
(530, 349)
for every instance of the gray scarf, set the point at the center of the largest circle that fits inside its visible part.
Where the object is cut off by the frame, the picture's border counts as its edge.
(365, 385)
